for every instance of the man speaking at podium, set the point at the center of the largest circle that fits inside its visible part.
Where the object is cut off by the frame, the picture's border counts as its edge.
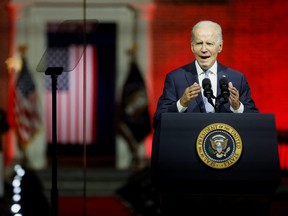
(205, 85)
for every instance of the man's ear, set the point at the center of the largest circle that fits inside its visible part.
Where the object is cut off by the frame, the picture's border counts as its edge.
(192, 48)
(220, 47)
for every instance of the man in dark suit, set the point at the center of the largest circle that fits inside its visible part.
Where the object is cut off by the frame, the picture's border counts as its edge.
(182, 88)
(183, 92)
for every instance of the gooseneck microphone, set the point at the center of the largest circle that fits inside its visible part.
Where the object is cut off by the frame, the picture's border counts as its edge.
(225, 93)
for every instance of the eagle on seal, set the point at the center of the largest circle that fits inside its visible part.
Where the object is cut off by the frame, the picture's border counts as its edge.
(219, 145)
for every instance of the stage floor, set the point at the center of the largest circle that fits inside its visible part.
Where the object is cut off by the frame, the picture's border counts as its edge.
(99, 180)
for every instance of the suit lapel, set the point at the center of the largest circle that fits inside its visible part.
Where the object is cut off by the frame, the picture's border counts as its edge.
(192, 77)
(221, 72)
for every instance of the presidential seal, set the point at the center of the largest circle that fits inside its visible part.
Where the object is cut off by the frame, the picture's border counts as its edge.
(219, 145)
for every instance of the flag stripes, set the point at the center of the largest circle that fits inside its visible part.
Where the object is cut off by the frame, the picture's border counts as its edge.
(26, 109)
(70, 101)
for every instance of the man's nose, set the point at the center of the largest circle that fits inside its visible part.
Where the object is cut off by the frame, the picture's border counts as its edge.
(203, 48)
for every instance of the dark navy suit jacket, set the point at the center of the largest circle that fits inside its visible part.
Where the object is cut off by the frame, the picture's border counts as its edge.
(179, 79)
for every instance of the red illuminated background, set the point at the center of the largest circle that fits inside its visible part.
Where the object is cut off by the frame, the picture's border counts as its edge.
(255, 37)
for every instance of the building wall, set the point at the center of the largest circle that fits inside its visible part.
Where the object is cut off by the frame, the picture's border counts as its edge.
(255, 42)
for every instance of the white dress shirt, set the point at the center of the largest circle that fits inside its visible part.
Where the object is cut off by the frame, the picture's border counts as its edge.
(213, 79)
(212, 73)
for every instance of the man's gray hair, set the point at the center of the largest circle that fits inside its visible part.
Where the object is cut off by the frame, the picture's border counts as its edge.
(207, 23)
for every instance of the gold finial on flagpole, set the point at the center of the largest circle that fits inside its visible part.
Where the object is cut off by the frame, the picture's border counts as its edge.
(22, 48)
(15, 62)
(132, 51)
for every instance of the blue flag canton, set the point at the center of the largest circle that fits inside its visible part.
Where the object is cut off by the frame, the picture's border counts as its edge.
(25, 83)
(58, 57)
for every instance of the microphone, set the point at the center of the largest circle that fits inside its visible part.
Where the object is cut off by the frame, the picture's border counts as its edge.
(206, 85)
(225, 93)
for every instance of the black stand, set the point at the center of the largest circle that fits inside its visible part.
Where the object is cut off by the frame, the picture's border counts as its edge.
(54, 72)
(220, 101)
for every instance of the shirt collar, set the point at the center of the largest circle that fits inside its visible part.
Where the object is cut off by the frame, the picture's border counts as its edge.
(200, 71)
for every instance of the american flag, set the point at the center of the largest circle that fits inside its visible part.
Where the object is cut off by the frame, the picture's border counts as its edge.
(26, 108)
(70, 95)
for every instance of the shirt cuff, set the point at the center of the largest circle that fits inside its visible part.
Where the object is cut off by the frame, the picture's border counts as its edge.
(240, 109)
(180, 108)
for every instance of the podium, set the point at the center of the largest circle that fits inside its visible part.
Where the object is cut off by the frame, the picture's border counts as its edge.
(226, 159)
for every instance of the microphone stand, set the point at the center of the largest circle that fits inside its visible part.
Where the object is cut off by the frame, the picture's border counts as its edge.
(211, 101)
(222, 102)
(54, 72)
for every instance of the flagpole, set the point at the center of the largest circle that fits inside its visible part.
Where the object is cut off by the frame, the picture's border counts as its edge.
(84, 113)
(54, 72)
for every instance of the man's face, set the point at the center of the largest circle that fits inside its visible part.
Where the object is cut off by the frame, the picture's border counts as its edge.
(206, 46)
